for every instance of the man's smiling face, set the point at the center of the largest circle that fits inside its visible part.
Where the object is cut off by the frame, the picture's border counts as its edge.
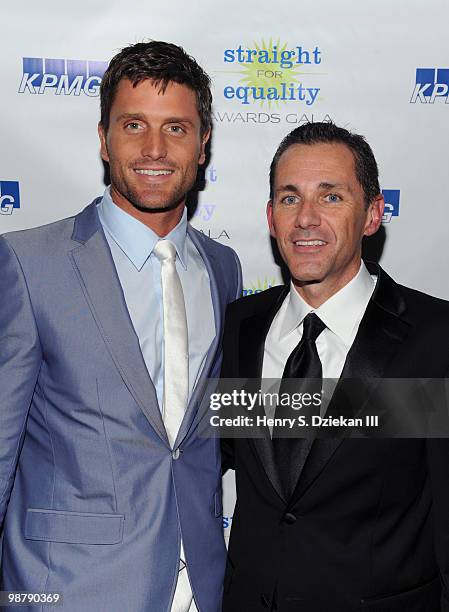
(318, 216)
(153, 145)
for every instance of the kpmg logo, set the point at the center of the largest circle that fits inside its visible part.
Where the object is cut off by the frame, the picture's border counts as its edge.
(431, 84)
(391, 209)
(9, 197)
(62, 76)
(273, 73)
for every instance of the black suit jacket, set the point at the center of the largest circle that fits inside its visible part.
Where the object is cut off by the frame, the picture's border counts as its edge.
(367, 527)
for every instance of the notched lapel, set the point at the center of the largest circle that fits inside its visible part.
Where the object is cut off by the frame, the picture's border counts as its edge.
(96, 272)
(319, 454)
(219, 305)
(253, 331)
(265, 451)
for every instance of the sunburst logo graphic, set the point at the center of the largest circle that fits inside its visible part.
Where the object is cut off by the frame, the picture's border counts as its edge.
(259, 75)
(259, 286)
(272, 73)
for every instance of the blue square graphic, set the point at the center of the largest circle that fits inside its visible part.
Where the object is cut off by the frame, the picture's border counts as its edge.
(34, 65)
(11, 188)
(54, 66)
(76, 68)
(443, 76)
(97, 68)
(392, 197)
(425, 76)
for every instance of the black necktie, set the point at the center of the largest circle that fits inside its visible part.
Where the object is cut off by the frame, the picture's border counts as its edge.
(302, 364)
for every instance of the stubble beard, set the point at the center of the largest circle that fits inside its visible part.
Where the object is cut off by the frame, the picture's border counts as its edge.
(156, 202)
(171, 202)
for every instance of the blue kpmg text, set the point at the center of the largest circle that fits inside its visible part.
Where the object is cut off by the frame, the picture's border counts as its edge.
(392, 197)
(431, 84)
(9, 197)
(62, 76)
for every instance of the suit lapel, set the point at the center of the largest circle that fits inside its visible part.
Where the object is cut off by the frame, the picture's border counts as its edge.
(253, 332)
(219, 305)
(95, 269)
(379, 337)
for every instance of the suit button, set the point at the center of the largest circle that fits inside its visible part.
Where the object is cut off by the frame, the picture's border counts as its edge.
(289, 518)
(175, 454)
(265, 601)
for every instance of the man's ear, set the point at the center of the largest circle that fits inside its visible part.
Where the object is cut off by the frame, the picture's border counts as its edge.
(374, 215)
(204, 139)
(103, 147)
(270, 218)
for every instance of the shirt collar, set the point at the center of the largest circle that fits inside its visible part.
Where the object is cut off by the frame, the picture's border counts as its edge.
(135, 239)
(341, 313)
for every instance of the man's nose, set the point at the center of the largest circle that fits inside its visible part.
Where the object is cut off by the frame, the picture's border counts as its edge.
(154, 145)
(308, 214)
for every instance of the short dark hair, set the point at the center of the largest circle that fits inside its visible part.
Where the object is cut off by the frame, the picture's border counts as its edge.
(163, 63)
(366, 169)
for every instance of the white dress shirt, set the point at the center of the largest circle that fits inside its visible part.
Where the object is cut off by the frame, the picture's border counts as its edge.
(341, 314)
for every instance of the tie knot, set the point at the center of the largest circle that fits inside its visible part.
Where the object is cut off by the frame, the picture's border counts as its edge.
(313, 326)
(165, 250)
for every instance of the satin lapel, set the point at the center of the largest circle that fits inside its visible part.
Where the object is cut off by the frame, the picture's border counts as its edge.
(219, 305)
(380, 335)
(253, 332)
(95, 269)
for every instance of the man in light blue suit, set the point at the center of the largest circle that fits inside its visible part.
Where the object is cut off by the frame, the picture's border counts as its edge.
(99, 498)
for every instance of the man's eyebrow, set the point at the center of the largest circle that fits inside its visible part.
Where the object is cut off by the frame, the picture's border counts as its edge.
(288, 187)
(139, 116)
(327, 185)
(323, 185)
(143, 117)
(178, 120)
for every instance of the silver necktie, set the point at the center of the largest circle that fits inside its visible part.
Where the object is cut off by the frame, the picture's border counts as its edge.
(176, 348)
(176, 380)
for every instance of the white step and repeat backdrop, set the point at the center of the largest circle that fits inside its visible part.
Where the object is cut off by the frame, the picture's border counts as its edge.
(378, 67)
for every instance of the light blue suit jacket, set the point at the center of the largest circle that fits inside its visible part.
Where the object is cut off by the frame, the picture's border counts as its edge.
(92, 498)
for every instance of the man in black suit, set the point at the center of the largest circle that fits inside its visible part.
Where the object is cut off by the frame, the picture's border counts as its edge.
(335, 524)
